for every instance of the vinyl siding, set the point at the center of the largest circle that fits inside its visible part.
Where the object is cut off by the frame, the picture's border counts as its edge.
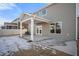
(66, 13)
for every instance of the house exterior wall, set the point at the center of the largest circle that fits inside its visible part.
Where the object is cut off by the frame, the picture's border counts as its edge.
(66, 13)
(78, 27)
(45, 29)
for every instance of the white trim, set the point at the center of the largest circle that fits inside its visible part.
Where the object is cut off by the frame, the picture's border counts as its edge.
(27, 14)
(76, 28)
(37, 18)
(55, 27)
(32, 29)
(42, 19)
(20, 29)
(26, 20)
(39, 28)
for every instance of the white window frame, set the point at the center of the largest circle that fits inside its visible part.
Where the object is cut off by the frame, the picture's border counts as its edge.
(55, 27)
(44, 14)
(38, 26)
(41, 14)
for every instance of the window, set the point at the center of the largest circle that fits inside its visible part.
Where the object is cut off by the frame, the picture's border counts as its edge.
(56, 27)
(39, 13)
(52, 28)
(42, 13)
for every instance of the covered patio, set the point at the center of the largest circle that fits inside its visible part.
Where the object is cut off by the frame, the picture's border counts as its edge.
(36, 27)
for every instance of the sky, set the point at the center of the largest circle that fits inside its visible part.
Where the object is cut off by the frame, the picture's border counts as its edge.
(10, 11)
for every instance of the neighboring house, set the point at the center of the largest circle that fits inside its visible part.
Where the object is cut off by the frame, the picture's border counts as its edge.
(13, 25)
(55, 20)
(9, 26)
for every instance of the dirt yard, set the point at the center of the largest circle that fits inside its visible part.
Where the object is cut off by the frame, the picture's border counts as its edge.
(40, 52)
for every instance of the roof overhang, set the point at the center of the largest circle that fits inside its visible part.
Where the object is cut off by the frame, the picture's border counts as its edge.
(36, 18)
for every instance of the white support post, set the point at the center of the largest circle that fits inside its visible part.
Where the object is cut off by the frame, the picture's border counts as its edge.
(76, 28)
(20, 29)
(32, 29)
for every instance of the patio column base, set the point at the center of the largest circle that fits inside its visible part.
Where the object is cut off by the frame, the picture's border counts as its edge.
(30, 41)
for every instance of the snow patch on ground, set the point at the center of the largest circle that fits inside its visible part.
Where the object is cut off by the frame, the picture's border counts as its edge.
(12, 44)
(70, 48)
(15, 43)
